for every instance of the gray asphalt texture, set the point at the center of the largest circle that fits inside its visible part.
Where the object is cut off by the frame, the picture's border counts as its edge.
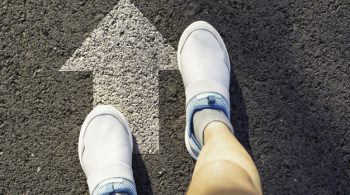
(125, 53)
(290, 93)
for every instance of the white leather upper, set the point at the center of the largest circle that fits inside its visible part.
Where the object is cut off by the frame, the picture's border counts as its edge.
(106, 142)
(203, 59)
(105, 146)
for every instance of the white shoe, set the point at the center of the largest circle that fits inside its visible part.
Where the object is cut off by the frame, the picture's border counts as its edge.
(203, 61)
(205, 68)
(105, 151)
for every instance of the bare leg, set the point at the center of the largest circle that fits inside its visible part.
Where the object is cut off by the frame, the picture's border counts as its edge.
(223, 166)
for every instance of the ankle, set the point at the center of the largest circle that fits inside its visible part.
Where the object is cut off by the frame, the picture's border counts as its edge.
(214, 129)
(209, 119)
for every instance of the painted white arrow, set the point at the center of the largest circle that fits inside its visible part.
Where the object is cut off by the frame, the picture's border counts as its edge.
(125, 53)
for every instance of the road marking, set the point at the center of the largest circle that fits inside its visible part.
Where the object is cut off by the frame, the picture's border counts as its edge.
(125, 53)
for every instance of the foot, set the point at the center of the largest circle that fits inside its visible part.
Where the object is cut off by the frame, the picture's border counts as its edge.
(105, 152)
(205, 68)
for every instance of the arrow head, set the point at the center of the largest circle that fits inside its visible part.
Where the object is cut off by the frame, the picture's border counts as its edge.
(125, 53)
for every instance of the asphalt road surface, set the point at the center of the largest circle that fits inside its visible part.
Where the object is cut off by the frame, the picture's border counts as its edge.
(290, 89)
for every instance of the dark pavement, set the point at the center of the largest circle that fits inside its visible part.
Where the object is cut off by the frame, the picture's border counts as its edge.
(290, 93)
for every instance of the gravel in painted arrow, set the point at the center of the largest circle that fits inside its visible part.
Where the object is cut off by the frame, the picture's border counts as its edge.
(125, 53)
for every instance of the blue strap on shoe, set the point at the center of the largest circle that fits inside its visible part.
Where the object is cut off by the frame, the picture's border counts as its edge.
(200, 102)
(115, 185)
